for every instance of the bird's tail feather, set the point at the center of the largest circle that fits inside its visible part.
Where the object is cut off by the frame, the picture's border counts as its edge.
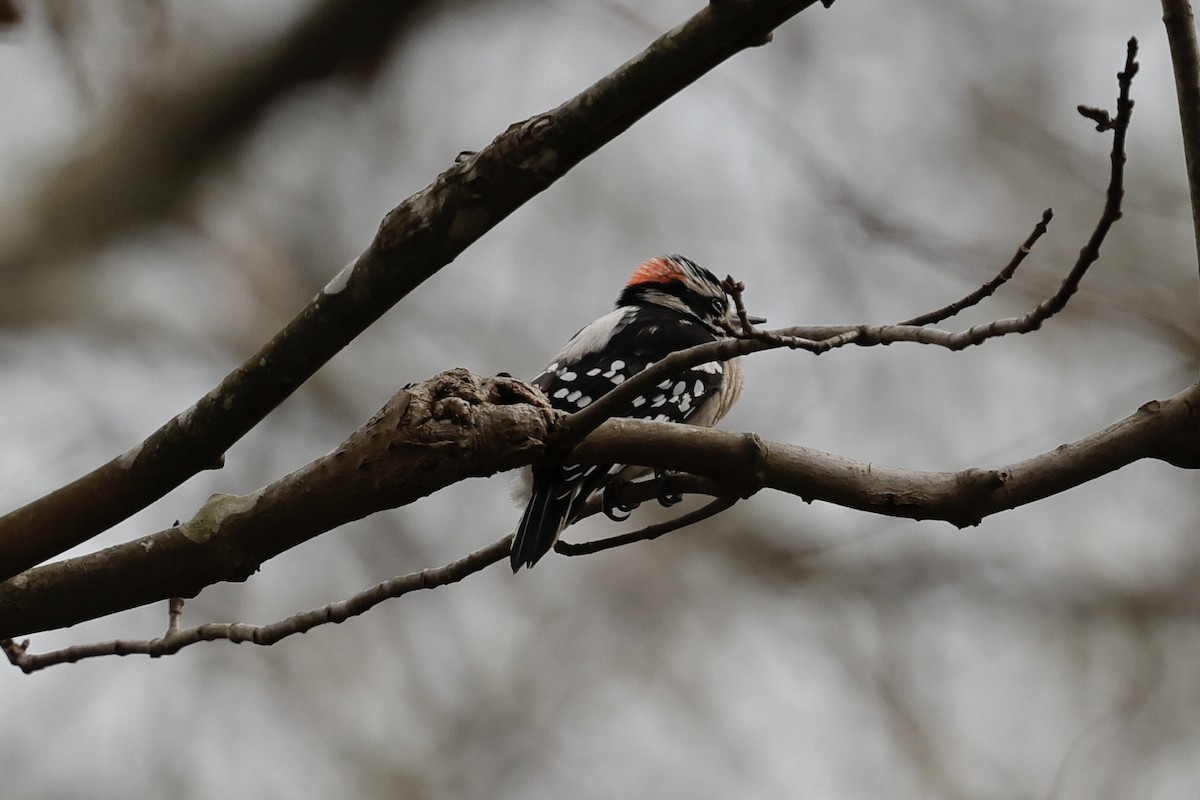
(544, 517)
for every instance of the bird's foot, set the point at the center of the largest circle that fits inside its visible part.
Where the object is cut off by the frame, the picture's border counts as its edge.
(615, 511)
(665, 498)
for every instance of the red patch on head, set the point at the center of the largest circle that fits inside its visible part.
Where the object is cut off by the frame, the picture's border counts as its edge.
(656, 270)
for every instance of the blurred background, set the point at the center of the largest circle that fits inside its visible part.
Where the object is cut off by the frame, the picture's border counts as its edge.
(172, 197)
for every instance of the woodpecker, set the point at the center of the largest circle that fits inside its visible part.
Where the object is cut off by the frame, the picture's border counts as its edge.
(669, 303)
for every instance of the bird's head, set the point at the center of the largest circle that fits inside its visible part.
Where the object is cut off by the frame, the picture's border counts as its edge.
(678, 283)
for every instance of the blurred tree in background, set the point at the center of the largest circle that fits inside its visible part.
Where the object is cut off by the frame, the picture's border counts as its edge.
(867, 165)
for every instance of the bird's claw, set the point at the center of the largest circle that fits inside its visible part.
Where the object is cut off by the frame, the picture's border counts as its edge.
(665, 498)
(612, 507)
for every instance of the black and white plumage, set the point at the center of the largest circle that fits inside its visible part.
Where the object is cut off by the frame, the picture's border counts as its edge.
(668, 304)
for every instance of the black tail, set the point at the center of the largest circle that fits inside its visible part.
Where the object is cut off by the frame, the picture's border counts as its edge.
(544, 517)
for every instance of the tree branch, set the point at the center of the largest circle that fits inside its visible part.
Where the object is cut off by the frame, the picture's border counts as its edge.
(414, 241)
(456, 426)
(266, 635)
(1185, 60)
(587, 419)
(988, 289)
(1167, 430)
(428, 436)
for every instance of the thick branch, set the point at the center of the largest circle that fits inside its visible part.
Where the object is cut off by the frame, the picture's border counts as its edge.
(1168, 430)
(429, 436)
(456, 426)
(414, 241)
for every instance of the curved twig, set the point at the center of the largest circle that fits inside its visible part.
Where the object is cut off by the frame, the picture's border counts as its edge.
(238, 632)
(647, 533)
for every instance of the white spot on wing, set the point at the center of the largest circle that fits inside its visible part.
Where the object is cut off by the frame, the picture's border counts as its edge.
(639, 401)
(614, 368)
(561, 393)
(567, 376)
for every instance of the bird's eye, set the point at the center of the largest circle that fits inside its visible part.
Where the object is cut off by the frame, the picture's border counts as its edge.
(718, 306)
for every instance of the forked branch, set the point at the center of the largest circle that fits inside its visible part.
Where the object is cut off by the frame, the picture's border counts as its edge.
(917, 329)
(496, 424)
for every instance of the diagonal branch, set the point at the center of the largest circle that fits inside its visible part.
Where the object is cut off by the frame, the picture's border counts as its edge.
(266, 635)
(414, 241)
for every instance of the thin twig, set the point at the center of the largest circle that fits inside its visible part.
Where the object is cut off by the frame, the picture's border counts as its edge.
(989, 288)
(612, 404)
(647, 533)
(238, 632)
(886, 334)
(174, 615)
(734, 289)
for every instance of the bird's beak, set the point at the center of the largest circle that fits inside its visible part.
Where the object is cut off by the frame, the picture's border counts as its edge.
(755, 320)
